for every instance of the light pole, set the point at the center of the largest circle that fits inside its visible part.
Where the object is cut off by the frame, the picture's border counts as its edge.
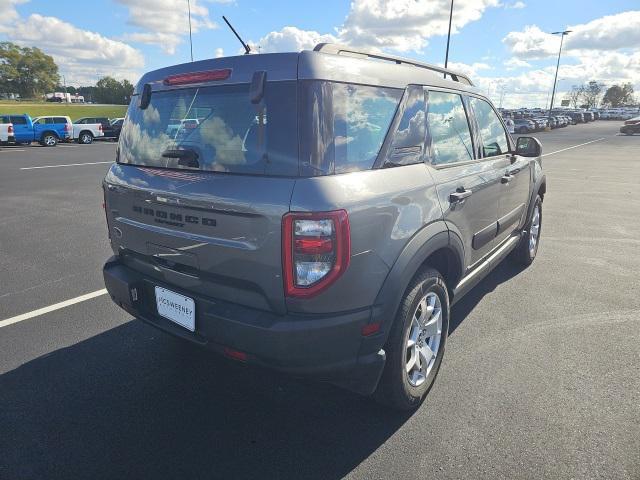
(555, 79)
(446, 56)
(190, 39)
(64, 81)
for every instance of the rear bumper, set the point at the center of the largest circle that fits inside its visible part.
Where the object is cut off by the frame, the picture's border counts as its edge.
(327, 347)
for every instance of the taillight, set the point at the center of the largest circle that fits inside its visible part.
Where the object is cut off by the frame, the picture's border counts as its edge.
(197, 77)
(67, 127)
(10, 129)
(99, 127)
(316, 248)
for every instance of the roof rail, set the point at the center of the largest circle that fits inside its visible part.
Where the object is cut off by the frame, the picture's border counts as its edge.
(337, 49)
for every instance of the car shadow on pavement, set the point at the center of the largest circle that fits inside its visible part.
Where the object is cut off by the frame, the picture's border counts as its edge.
(133, 402)
(504, 272)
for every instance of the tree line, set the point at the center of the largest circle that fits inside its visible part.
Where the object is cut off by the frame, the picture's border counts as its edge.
(30, 73)
(590, 95)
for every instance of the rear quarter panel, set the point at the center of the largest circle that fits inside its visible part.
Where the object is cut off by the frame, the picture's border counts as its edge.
(386, 208)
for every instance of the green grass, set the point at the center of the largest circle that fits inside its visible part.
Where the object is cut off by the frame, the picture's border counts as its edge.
(39, 109)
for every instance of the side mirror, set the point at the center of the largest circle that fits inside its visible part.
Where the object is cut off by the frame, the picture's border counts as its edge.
(528, 147)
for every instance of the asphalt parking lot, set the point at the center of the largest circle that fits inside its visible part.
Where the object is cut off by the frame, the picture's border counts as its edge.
(540, 378)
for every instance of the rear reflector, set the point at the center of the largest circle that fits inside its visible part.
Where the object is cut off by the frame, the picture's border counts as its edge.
(370, 329)
(235, 354)
(198, 77)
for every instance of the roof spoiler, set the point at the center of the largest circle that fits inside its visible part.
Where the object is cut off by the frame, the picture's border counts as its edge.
(336, 49)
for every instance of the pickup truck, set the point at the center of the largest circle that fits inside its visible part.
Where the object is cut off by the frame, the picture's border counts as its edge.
(82, 133)
(48, 131)
(87, 128)
(6, 133)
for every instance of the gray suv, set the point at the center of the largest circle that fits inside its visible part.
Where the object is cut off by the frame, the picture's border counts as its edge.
(316, 212)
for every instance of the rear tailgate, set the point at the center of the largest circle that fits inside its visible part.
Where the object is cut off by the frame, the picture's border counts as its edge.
(215, 235)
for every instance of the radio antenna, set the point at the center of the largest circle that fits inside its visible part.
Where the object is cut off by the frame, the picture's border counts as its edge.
(247, 49)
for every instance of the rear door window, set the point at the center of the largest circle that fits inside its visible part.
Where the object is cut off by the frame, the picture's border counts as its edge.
(18, 120)
(448, 128)
(493, 137)
(59, 120)
(408, 141)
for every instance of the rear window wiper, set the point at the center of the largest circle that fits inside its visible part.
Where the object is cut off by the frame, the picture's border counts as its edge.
(186, 157)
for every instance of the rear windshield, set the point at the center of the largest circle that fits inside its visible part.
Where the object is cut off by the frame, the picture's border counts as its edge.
(343, 125)
(215, 128)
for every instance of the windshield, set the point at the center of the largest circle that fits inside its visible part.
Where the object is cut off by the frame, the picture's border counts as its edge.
(214, 129)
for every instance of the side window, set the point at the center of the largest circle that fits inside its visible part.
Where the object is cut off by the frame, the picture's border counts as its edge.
(361, 119)
(18, 120)
(408, 140)
(40, 121)
(82, 121)
(492, 134)
(61, 120)
(448, 128)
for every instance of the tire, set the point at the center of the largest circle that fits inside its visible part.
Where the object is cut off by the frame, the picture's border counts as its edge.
(49, 140)
(399, 388)
(526, 251)
(85, 138)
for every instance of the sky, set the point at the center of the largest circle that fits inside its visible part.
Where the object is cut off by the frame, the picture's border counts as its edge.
(504, 45)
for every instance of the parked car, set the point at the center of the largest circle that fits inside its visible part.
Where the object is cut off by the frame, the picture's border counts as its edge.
(105, 125)
(631, 126)
(551, 122)
(524, 125)
(116, 125)
(577, 117)
(6, 133)
(541, 123)
(291, 248)
(48, 131)
(508, 122)
(85, 130)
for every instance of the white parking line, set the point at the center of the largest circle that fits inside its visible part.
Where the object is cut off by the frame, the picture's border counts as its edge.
(575, 146)
(51, 308)
(66, 165)
(13, 150)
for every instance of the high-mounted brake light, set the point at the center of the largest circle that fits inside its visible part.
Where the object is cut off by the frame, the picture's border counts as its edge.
(316, 249)
(198, 77)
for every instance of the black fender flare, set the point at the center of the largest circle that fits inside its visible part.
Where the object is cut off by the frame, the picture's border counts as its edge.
(425, 242)
(540, 185)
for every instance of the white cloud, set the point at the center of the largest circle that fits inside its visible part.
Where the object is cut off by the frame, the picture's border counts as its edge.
(516, 5)
(400, 25)
(164, 23)
(611, 32)
(291, 39)
(219, 52)
(405, 25)
(82, 56)
(9, 13)
(514, 63)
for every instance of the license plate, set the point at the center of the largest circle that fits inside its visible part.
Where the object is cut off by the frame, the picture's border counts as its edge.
(176, 307)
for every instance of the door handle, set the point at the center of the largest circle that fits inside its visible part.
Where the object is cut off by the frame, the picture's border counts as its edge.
(506, 178)
(459, 195)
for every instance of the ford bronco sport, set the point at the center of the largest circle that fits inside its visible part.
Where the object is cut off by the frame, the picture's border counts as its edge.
(321, 213)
